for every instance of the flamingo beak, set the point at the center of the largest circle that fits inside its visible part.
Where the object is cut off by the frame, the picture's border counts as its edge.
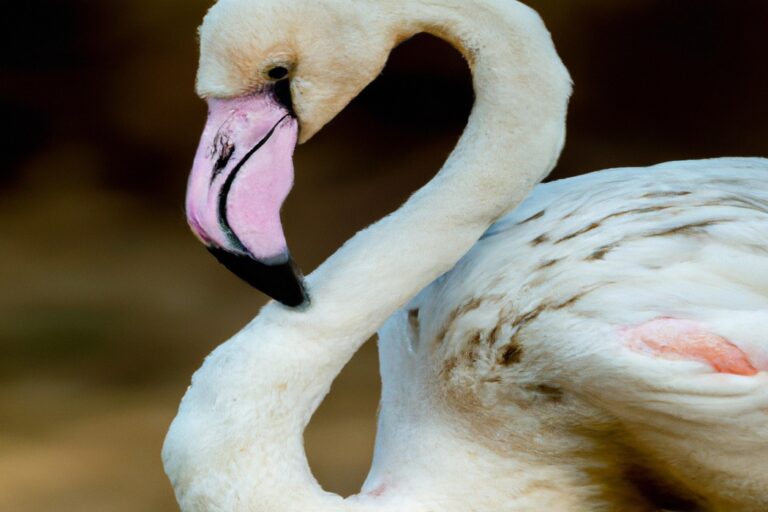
(242, 173)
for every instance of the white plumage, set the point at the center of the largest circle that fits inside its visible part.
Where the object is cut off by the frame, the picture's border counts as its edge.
(522, 338)
(511, 382)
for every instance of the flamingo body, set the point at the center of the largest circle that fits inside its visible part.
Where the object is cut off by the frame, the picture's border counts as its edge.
(609, 322)
(617, 318)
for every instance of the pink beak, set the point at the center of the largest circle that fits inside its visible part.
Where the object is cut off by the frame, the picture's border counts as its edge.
(242, 173)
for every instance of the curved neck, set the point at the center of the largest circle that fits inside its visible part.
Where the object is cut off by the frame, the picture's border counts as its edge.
(512, 140)
(236, 443)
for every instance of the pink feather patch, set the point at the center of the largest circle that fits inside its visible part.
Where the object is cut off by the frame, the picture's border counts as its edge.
(672, 338)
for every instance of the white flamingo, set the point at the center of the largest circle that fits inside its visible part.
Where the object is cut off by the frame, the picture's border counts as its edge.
(611, 321)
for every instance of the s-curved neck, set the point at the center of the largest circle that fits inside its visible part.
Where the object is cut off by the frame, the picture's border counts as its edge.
(236, 443)
(512, 140)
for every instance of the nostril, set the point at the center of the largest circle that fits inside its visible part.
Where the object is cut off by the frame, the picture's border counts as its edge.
(282, 93)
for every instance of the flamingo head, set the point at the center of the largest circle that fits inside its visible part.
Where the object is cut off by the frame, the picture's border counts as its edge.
(273, 73)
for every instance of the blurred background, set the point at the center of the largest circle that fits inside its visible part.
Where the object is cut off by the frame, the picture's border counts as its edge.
(108, 303)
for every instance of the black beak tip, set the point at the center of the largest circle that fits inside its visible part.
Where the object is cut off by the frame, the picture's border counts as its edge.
(281, 281)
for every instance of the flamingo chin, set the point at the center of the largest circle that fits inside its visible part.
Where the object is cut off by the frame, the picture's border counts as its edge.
(242, 173)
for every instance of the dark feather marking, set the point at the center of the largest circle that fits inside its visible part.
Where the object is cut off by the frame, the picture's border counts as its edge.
(552, 393)
(472, 346)
(529, 317)
(669, 193)
(687, 229)
(739, 202)
(661, 494)
(647, 209)
(547, 264)
(513, 347)
(733, 201)
(413, 319)
(587, 229)
(493, 337)
(598, 223)
(532, 217)
(513, 353)
(600, 252)
(549, 306)
(468, 306)
(449, 365)
(570, 302)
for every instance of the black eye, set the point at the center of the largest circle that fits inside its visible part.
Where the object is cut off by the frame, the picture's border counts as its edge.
(277, 73)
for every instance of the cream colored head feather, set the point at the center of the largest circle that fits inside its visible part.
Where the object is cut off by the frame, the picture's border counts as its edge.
(332, 50)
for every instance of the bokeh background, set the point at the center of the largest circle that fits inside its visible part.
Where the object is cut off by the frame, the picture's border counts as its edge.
(108, 304)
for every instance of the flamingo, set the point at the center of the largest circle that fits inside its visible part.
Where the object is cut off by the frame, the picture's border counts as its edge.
(537, 343)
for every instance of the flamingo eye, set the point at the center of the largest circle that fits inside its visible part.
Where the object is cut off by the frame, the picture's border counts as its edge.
(277, 73)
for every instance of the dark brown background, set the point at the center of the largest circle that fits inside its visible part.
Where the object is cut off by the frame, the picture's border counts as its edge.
(109, 304)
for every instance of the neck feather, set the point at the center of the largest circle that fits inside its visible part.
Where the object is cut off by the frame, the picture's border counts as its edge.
(513, 138)
(236, 443)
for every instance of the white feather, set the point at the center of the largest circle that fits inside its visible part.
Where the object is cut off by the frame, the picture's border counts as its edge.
(504, 385)
(559, 276)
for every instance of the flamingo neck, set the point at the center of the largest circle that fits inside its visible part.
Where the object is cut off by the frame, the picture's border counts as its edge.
(512, 140)
(236, 443)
